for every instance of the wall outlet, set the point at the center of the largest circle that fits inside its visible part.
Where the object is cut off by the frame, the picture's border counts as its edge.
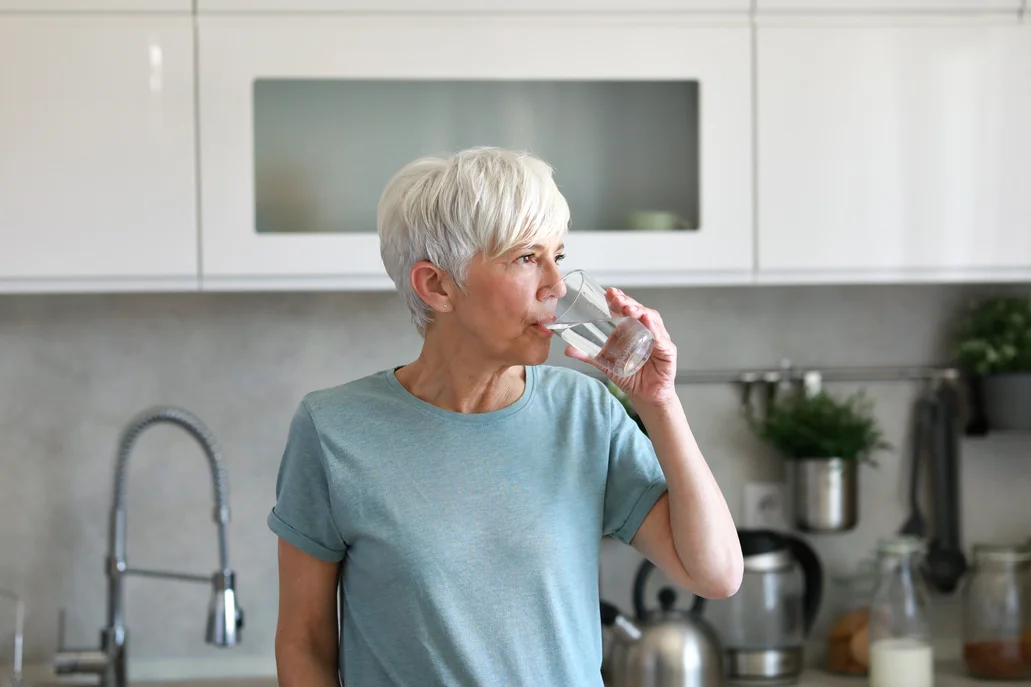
(764, 506)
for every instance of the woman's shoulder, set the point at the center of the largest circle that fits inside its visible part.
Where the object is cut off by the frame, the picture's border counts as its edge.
(554, 380)
(352, 396)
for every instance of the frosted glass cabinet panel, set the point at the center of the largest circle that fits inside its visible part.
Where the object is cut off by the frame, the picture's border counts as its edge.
(97, 163)
(473, 5)
(921, 165)
(325, 148)
(303, 121)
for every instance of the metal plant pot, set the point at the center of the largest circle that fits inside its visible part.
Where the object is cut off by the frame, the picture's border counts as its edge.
(826, 494)
(1007, 400)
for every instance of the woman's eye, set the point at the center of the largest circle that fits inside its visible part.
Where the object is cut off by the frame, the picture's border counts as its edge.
(525, 258)
(560, 257)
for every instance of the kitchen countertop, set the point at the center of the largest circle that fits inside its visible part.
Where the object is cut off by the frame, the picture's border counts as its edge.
(212, 682)
(235, 682)
(947, 674)
(51, 680)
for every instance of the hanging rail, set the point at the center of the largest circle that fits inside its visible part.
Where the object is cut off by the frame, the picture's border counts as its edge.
(787, 372)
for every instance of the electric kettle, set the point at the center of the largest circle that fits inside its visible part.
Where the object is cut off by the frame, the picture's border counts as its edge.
(763, 627)
(666, 647)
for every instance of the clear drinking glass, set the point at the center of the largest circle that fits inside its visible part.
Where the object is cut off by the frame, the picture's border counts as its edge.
(618, 343)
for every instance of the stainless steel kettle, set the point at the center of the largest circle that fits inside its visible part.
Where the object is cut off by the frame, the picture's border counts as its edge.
(666, 647)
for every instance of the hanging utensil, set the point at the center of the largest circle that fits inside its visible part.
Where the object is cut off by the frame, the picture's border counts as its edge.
(916, 525)
(945, 563)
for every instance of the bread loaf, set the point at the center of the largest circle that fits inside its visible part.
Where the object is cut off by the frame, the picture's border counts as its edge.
(848, 643)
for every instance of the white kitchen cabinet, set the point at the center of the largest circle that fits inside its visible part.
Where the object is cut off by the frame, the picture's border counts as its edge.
(473, 5)
(888, 6)
(97, 171)
(303, 121)
(96, 6)
(894, 152)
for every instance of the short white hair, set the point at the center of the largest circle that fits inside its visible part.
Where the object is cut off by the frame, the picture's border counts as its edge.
(480, 201)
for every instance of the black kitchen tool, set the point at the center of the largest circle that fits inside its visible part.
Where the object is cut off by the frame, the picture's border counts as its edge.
(977, 425)
(945, 563)
(915, 525)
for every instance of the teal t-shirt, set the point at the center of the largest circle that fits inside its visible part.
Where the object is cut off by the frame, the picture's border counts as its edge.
(470, 542)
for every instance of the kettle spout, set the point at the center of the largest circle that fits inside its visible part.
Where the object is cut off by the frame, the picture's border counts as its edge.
(626, 630)
(620, 624)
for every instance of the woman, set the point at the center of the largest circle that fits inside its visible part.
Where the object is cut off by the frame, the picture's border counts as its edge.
(464, 496)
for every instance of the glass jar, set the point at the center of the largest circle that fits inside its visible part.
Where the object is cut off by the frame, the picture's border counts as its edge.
(847, 637)
(900, 646)
(997, 613)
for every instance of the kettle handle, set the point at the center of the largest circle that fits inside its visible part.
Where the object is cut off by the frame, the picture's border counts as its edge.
(812, 572)
(640, 611)
(609, 613)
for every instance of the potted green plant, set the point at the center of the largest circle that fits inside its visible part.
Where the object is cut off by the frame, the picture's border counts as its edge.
(994, 347)
(824, 439)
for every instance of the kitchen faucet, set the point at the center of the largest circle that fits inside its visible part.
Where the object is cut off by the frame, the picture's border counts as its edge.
(225, 618)
(19, 635)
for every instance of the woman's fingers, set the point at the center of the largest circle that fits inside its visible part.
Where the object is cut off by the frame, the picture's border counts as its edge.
(631, 308)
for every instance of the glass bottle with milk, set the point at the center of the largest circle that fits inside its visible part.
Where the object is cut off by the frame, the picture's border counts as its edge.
(900, 646)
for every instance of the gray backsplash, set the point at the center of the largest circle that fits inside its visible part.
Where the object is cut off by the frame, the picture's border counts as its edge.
(75, 369)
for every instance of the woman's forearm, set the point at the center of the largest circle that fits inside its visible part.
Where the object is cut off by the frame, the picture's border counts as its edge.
(703, 530)
(302, 666)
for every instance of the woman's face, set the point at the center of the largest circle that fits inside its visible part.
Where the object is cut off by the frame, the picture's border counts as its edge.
(505, 300)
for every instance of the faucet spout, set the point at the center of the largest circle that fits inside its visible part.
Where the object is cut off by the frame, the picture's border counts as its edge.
(225, 618)
(192, 424)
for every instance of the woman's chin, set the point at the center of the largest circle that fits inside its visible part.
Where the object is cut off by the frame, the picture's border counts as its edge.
(536, 354)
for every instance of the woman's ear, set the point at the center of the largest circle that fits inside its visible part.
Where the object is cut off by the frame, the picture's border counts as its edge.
(433, 285)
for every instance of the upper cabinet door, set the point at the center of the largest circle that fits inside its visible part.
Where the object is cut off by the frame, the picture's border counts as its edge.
(647, 124)
(508, 6)
(96, 5)
(97, 170)
(888, 6)
(895, 150)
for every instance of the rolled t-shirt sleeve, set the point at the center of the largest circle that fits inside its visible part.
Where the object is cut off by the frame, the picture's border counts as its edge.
(635, 480)
(303, 514)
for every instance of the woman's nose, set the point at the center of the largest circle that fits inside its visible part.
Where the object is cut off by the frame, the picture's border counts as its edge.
(552, 277)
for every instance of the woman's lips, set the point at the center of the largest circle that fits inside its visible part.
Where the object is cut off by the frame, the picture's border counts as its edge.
(540, 325)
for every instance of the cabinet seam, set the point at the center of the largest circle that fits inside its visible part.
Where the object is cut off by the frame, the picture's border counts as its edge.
(754, 133)
(198, 214)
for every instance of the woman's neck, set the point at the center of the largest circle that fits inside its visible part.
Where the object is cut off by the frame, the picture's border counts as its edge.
(457, 381)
